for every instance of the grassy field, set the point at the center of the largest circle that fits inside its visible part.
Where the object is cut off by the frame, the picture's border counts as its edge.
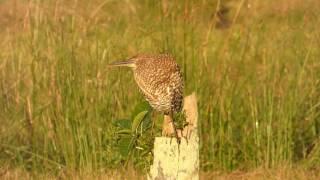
(254, 65)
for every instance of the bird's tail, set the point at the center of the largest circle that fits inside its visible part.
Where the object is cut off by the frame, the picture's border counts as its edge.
(128, 63)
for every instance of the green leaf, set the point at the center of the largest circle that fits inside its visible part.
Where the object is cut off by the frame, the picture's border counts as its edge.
(146, 123)
(142, 106)
(124, 131)
(122, 123)
(138, 119)
(124, 146)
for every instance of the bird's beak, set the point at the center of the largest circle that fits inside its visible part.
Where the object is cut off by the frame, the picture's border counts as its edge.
(128, 63)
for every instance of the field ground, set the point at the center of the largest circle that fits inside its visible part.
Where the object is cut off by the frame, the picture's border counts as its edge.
(272, 174)
(254, 66)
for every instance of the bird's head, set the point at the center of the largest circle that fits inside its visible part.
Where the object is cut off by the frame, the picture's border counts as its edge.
(134, 61)
(141, 60)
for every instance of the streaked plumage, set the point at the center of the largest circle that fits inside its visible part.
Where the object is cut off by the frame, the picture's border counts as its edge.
(159, 79)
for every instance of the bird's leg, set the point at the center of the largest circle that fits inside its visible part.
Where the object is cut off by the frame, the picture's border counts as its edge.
(169, 128)
(175, 129)
(176, 132)
(153, 123)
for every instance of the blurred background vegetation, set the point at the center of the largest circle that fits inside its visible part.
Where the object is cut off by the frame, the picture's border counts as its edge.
(254, 66)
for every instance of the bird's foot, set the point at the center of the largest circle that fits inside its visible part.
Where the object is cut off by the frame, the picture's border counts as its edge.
(177, 138)
(172, 135)
(169, 129)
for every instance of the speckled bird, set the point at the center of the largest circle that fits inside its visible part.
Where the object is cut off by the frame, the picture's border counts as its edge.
(160, 81)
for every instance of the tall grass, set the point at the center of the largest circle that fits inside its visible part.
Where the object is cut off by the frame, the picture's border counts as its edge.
(257, 81)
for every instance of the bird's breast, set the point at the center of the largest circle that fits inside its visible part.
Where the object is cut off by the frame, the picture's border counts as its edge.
(163, 92)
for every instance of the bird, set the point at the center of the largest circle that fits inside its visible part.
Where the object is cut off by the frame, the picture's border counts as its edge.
(160, 80)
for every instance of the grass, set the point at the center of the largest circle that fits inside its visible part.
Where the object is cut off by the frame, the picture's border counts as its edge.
(259, 173)
(257, 80)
